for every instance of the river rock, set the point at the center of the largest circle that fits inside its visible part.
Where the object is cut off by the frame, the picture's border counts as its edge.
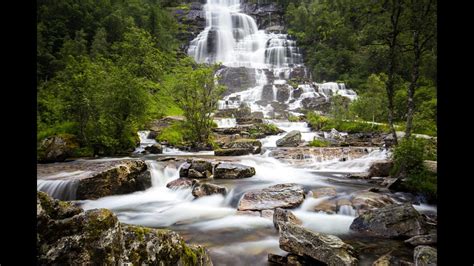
(363, 201)
(385, 260)
(425, 255)
(328, 249)
(284, 216)
(196, 169)
(268, 214)
(431, 166)
(327, 206)
(231, 152)
(252, 145)
(123, 178)
(292, 139)
(180, 183)
(380, 168)
(154, 149)
(393, 221)
(233, 171)
(429, 239)
(57, 148)
(68, 235)
(278, 196)
(293, 260)
(362, 175)
(207, 189)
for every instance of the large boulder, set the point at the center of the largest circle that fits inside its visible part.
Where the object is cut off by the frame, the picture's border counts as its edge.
(328, 249)
(207, 189)
(57, 148)
(252, 145)
(237, 79)
(122, 178)
(393, 221)
(180, 183)
(68, 235)
(380, 168)
(292, 139)
(425, 256)
(284, 216)
(196, 169)
(278, 196)
(231, 152)
(154, 149)
(233, 171)
(364, 201)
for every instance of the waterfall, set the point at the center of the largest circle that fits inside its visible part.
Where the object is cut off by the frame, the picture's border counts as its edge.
(59, 189)
(233, 39)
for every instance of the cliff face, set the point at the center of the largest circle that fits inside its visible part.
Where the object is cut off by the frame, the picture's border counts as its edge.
(269, 16)
(192, 20)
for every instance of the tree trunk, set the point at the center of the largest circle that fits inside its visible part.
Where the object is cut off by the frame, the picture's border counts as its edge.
(413, 84)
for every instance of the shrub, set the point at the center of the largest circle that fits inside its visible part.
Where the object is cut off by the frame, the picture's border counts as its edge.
(174, 134)
(318, 143)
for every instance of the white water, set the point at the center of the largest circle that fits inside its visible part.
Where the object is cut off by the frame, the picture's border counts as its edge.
(225, 122)
(58, 189)
(144, 141)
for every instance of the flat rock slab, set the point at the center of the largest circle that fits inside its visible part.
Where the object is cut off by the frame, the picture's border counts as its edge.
(93, 179)
(278, 196)
(233, 171)
(300, 155)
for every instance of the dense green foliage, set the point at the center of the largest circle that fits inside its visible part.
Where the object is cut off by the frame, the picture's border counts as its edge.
(318, 122)
(102, 70)
(318, 143)
(408, 157)
(348, 41)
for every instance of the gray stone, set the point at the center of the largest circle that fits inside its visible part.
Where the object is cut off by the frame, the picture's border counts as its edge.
(292, 139)
(425, 256)
(278, 196)
(233, 171)
(207, 189)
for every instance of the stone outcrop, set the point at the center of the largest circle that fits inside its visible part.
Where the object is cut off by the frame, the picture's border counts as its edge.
(180, 183)
(154, 149)
(284, 216)
(278, 196)
(57, 148)
(328, 249)
(429, 239)
(364, 201)
(68, 235)
(123, 178)
(253, 146)
(292, 139)
(207, 189)
(196, 169)
(380, 168)
(393, 221)
(231, 152)
(236, 79)
(233, 171)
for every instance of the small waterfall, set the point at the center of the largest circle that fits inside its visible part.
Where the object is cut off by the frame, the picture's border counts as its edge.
(347, 210)
(59, 189)
(144, 141)
(226, 122)
(161, 176)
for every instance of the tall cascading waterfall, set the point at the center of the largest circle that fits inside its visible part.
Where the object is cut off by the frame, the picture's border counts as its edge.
(233, 39)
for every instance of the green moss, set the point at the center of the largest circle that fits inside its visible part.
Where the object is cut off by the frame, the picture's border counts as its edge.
(189, 256)
(99, 221)
(293, 118)
(318, 143)
(318, 122)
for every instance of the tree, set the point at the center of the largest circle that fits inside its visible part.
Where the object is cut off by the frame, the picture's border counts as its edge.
(99, 44)
(423, 28)
(196, 92)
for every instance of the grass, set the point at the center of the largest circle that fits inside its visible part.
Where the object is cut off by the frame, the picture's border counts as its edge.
(174, 134)
(318, 143)
(318, 122)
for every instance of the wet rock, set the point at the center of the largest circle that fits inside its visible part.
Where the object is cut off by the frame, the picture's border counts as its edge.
(283, 93)
(293, 260)
(196, 169)
(393, 221)
(292, 139)
(233, 171)
(207, 189)
(267, 93)
(252, 145)
(248, 120)
(237, 79)
(324, 192)
(380, 168)
(278, 196)
(385, 260)
(316, 103)
(425, 255)
(429, 239)
(284, 216)
(363, 175)
(181, 183)
(67, 235)
(231, 152)
(122, 178)
(366, 200)
(155, 149)
(156, 126)
(249, 213)
(57, 148)
(327, 206)
(328, 249)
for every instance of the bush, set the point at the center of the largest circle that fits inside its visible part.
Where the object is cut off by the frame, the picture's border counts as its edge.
(174, 134)
(318, 143)
(318, 122)
(408, 157)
